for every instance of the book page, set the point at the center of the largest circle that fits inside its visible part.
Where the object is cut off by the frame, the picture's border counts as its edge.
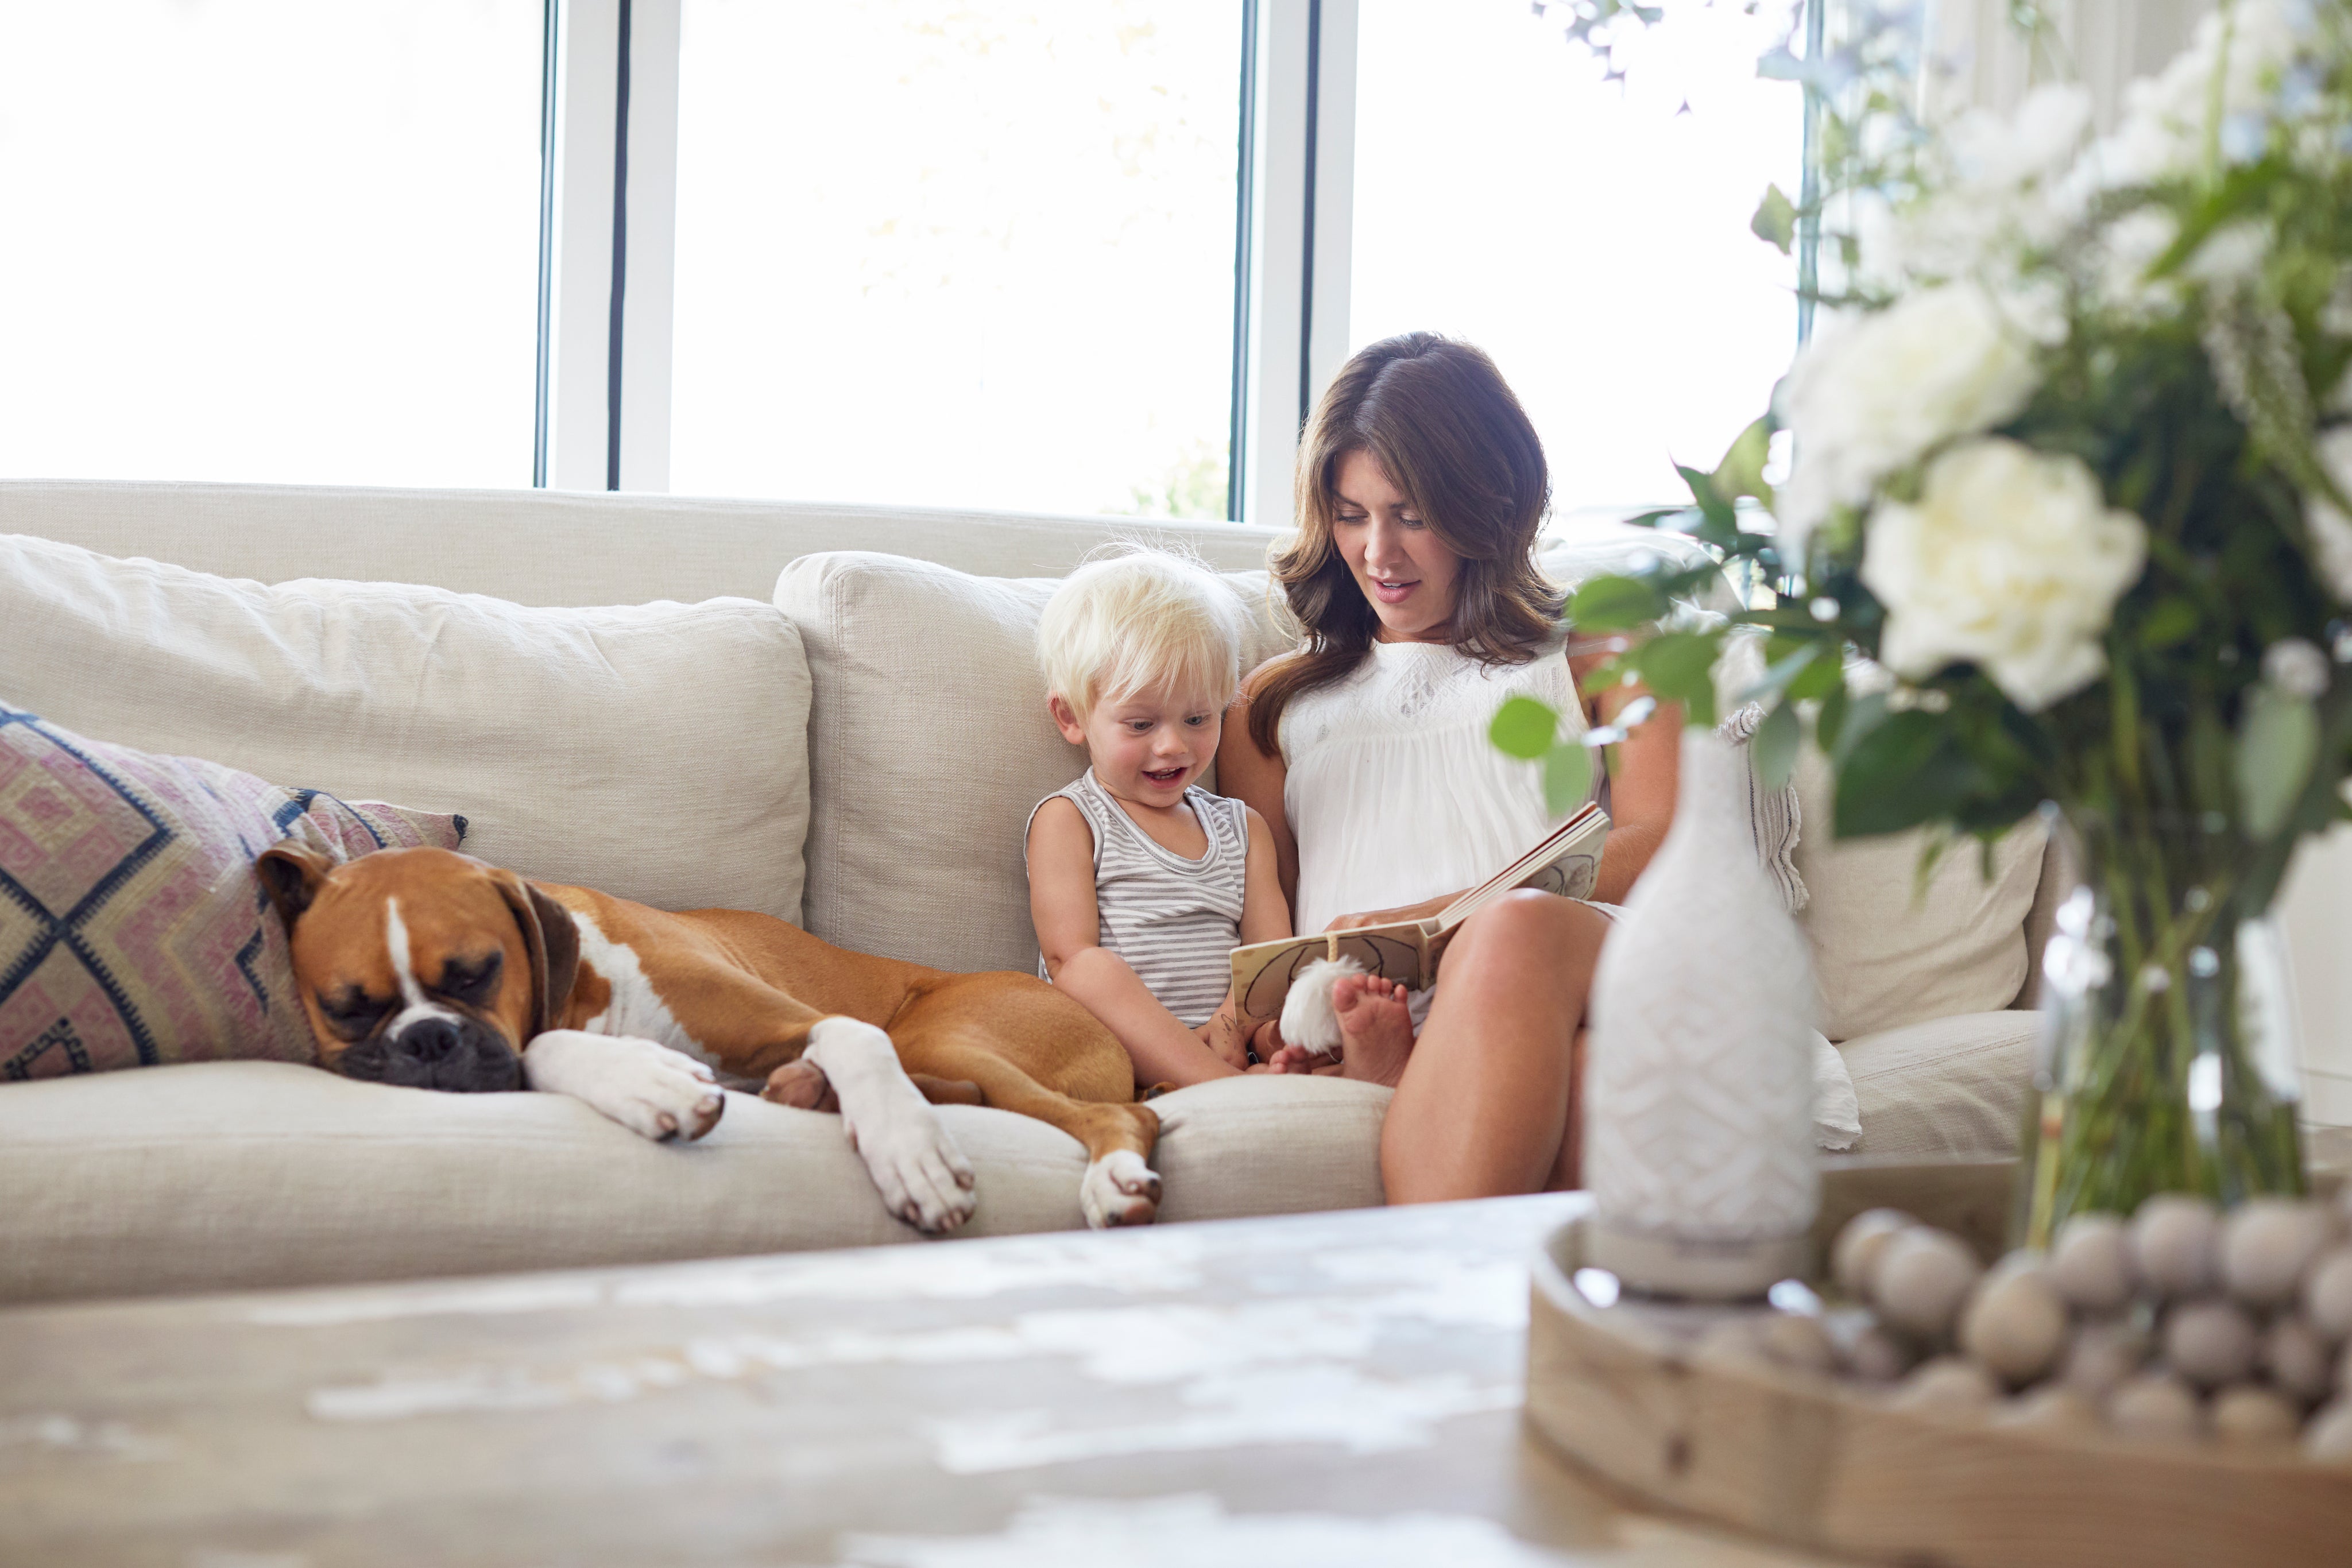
(1262, 972)
(1566, 863)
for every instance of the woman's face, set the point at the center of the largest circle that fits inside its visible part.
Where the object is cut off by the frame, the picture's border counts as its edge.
(1405, 574)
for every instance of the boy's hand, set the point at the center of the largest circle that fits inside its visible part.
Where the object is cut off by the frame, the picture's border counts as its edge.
(1225, 1038)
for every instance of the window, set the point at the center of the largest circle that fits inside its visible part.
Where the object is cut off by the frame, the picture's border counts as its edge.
(974, 255)
(1590, 235)
(270, 239)
(879, 250)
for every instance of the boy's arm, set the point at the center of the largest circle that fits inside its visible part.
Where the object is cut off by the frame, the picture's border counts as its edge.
(1069, 931)
(1266, 917)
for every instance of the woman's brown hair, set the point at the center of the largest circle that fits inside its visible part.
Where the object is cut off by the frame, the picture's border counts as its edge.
(1442, 423)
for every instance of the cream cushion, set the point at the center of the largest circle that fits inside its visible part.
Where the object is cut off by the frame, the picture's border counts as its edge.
(930, 715)
(250, 1176)
(655, 751)
(1947, 1086)
(1887, 953)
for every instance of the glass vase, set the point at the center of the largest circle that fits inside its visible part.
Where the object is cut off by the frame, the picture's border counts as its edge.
(2167, 1059)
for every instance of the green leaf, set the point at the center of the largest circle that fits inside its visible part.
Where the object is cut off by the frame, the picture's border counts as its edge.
(1568, 776)
(2277, 743)
(1832, 717)
(1741, 471)
(1796, 664)
(1718, 524)
(2171, 622)
(1773, 750)
(1678, 665)
(1775, 222)
(1615, 604)
(1900, 773)
(1864, 714)
(1610, 672)
(1523, 728)
(1825, 674)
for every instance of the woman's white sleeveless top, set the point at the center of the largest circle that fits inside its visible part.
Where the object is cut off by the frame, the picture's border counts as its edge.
(1394, 792)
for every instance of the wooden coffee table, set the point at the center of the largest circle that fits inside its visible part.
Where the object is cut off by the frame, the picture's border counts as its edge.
(1327, 1388)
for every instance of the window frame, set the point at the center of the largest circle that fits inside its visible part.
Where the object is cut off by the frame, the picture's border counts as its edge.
(609, 208)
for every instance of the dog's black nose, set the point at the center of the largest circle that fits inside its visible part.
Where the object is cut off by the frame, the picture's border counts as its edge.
(429, 1041)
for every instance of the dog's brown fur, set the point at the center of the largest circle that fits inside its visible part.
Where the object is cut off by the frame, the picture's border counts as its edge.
(746, 987)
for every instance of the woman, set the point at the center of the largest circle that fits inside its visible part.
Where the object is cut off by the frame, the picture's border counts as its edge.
(1421, 489)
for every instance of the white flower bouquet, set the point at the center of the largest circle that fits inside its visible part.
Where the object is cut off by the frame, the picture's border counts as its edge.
(2065, 515)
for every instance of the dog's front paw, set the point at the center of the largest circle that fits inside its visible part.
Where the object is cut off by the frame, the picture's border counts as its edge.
(923, 1177)
(1119, 1189)
(646, 1086)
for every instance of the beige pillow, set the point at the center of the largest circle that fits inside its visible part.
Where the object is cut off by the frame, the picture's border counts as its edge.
(1887, 959)
(930, 744)
(656, 751)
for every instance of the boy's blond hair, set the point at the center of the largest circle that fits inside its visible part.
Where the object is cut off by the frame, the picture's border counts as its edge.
(1137, 618)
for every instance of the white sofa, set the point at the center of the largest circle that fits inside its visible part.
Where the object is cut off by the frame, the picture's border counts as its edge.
(855, 742)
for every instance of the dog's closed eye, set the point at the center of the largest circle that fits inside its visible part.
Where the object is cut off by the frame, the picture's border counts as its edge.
(471, 981)
(352, 1012)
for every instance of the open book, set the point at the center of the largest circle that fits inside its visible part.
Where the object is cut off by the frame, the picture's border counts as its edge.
(1568, 863)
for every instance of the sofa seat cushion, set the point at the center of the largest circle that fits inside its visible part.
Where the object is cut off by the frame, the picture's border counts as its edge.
(1950, 1086)
(252, 1175)
(656, 751)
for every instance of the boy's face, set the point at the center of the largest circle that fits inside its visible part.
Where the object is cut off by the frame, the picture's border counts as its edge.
(1146, 746)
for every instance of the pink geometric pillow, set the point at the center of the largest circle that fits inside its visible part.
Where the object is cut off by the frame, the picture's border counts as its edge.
(133, 929)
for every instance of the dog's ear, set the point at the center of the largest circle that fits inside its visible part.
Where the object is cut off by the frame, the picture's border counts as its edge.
(553, 940)
(290, 874)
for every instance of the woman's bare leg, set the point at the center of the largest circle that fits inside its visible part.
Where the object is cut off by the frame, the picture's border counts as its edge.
(1488, 1102)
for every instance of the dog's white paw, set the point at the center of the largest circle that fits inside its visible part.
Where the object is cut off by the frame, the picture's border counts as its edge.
(923, 1177)
(644, 1085)
(1119, 1189)
(1307, 1017)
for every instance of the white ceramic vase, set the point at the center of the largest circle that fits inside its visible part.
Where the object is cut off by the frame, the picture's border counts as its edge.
(1699, 1089)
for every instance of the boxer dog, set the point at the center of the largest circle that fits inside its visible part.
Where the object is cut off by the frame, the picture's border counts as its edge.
(434, 970)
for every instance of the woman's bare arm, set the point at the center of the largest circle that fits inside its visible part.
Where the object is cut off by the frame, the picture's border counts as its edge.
(1255, 777)
(1069, 934)
(1642, 788)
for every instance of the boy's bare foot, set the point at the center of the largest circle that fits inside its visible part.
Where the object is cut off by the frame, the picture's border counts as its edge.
(1377, 1027)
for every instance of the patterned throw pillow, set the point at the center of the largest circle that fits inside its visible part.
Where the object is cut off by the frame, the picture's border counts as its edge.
(133, 928)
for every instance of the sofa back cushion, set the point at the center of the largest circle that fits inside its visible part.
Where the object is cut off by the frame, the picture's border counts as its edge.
(656, 751)
(1888, 953)
(928, 726)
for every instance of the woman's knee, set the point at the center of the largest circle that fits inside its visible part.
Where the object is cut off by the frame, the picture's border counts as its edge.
(1528, 925)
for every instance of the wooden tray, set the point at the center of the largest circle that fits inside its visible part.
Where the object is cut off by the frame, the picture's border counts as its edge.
(1832, 1467)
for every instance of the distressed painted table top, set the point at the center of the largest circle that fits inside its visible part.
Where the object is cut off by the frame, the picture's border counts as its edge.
(1325, 1389)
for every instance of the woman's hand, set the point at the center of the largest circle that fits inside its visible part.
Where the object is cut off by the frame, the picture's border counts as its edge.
(1421, 910)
